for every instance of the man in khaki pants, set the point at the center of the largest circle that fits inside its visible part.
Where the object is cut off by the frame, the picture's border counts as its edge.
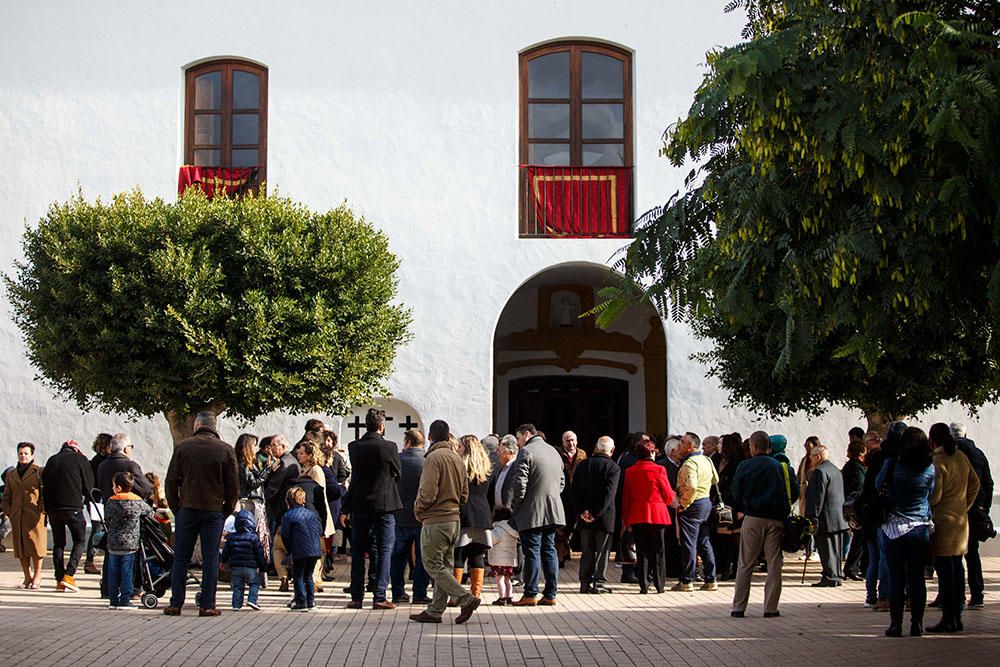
(444, 488)
(763, 496)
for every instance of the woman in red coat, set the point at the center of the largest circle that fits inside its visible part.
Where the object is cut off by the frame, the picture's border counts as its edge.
(644, 511)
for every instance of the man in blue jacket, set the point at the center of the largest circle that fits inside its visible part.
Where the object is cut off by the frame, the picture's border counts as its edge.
(763, 493)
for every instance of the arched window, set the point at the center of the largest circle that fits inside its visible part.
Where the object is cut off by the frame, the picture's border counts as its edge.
(226, 115)
(575, 127)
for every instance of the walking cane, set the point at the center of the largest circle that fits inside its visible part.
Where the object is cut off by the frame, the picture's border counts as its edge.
(805, 563)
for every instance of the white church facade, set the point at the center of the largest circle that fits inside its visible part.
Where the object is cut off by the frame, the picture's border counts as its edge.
(505, 148)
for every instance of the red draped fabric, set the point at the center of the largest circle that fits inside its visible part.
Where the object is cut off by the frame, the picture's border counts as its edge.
(581, 202)
(215, 179)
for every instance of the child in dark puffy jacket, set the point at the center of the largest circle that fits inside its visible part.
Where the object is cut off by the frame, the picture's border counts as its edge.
(245, 556)
(301, 534)
(121, 516)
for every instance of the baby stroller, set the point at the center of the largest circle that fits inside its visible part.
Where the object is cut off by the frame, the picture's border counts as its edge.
(156, 558)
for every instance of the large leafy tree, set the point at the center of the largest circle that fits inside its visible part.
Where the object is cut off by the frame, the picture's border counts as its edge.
(238, 305)
(838, 241)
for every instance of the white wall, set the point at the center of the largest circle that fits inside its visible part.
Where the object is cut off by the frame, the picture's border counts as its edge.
(407, 110)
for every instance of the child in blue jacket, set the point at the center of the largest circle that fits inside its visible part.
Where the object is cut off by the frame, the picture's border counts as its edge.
(245, 556)
(302, 533)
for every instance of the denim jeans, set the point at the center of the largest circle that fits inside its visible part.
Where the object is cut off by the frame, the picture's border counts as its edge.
(367, 528)
(407, 538)
(906, 557)
(120, 578)
(539, 546)
(249, 576)
(76, 522)
(302, 579)
(191, 524)
(877, 575)
(694, 540)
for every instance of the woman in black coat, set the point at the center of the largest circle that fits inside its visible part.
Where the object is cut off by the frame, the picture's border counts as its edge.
(476, 519)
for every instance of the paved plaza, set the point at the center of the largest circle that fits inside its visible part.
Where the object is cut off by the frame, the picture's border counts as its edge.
(818, 625)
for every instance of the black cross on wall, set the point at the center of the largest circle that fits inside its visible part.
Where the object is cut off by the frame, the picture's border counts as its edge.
(357, 425)
(408, 424)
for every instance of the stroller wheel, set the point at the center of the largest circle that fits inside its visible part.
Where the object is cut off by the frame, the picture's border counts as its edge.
(149, 601)
(197, 598)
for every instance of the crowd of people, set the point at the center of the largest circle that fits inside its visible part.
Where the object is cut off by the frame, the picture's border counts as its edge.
(445, 509)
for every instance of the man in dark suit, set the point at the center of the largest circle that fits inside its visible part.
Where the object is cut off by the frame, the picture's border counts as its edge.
(595, 483)
(538, 512)
(371, 503)
(984, 499)
(825, 506)
(499, 492)
(288, 469)
(202, 486)
(853, 473)
(407, 527)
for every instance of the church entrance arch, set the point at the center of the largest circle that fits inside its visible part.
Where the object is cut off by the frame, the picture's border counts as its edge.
(561, 372)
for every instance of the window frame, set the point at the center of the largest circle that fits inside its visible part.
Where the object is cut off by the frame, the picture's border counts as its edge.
(576, 102)
(228, 67)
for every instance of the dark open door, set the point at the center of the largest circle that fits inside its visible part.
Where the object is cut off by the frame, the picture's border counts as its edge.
(589, 406)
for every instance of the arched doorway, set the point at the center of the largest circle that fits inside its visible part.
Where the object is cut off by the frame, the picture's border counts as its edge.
(560, 372)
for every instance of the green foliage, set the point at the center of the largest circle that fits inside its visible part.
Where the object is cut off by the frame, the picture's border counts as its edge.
(839, 240)
(251, 305)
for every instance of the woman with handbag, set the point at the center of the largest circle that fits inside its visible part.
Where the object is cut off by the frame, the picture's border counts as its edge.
(955, 489)
(645, 500)
(905, 488)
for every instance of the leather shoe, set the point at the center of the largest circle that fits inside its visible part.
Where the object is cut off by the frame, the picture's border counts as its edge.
(854, 576)
(401, 599)
(209, 612)
(894, 630)
(772, 614)
(172, 611)
(825, 583)
(423, 600)
(424, 617)
(737, 614)
(467, 610)
(526, 602)
(916, 629)
(353, 604)
(603, 590)
(384, 604)
(547, 602)
(942, 627)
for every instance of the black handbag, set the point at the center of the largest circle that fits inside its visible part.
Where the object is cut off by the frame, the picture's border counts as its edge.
(980, 524)
(722, 514)
(851, 514)
(797, 529)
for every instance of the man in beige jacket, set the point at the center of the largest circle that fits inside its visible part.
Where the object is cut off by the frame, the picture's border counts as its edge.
(444, 488)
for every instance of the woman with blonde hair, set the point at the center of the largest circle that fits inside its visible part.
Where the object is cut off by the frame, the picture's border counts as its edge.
(312, 480)
(476, 521)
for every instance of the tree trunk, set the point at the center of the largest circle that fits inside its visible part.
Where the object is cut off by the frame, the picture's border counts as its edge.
(878, 421)
(182, 425)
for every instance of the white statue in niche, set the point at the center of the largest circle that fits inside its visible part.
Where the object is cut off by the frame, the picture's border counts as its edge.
(564, 310)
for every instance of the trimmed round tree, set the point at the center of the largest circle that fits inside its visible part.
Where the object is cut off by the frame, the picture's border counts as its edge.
(246, 306)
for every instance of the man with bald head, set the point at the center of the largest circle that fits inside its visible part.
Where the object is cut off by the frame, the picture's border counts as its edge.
(761, 495)
(825, 507)
(594, 485)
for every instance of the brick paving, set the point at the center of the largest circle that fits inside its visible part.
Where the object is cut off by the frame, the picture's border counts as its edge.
(817, 625)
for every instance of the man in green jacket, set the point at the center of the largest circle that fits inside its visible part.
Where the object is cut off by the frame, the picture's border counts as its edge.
(444, 488)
